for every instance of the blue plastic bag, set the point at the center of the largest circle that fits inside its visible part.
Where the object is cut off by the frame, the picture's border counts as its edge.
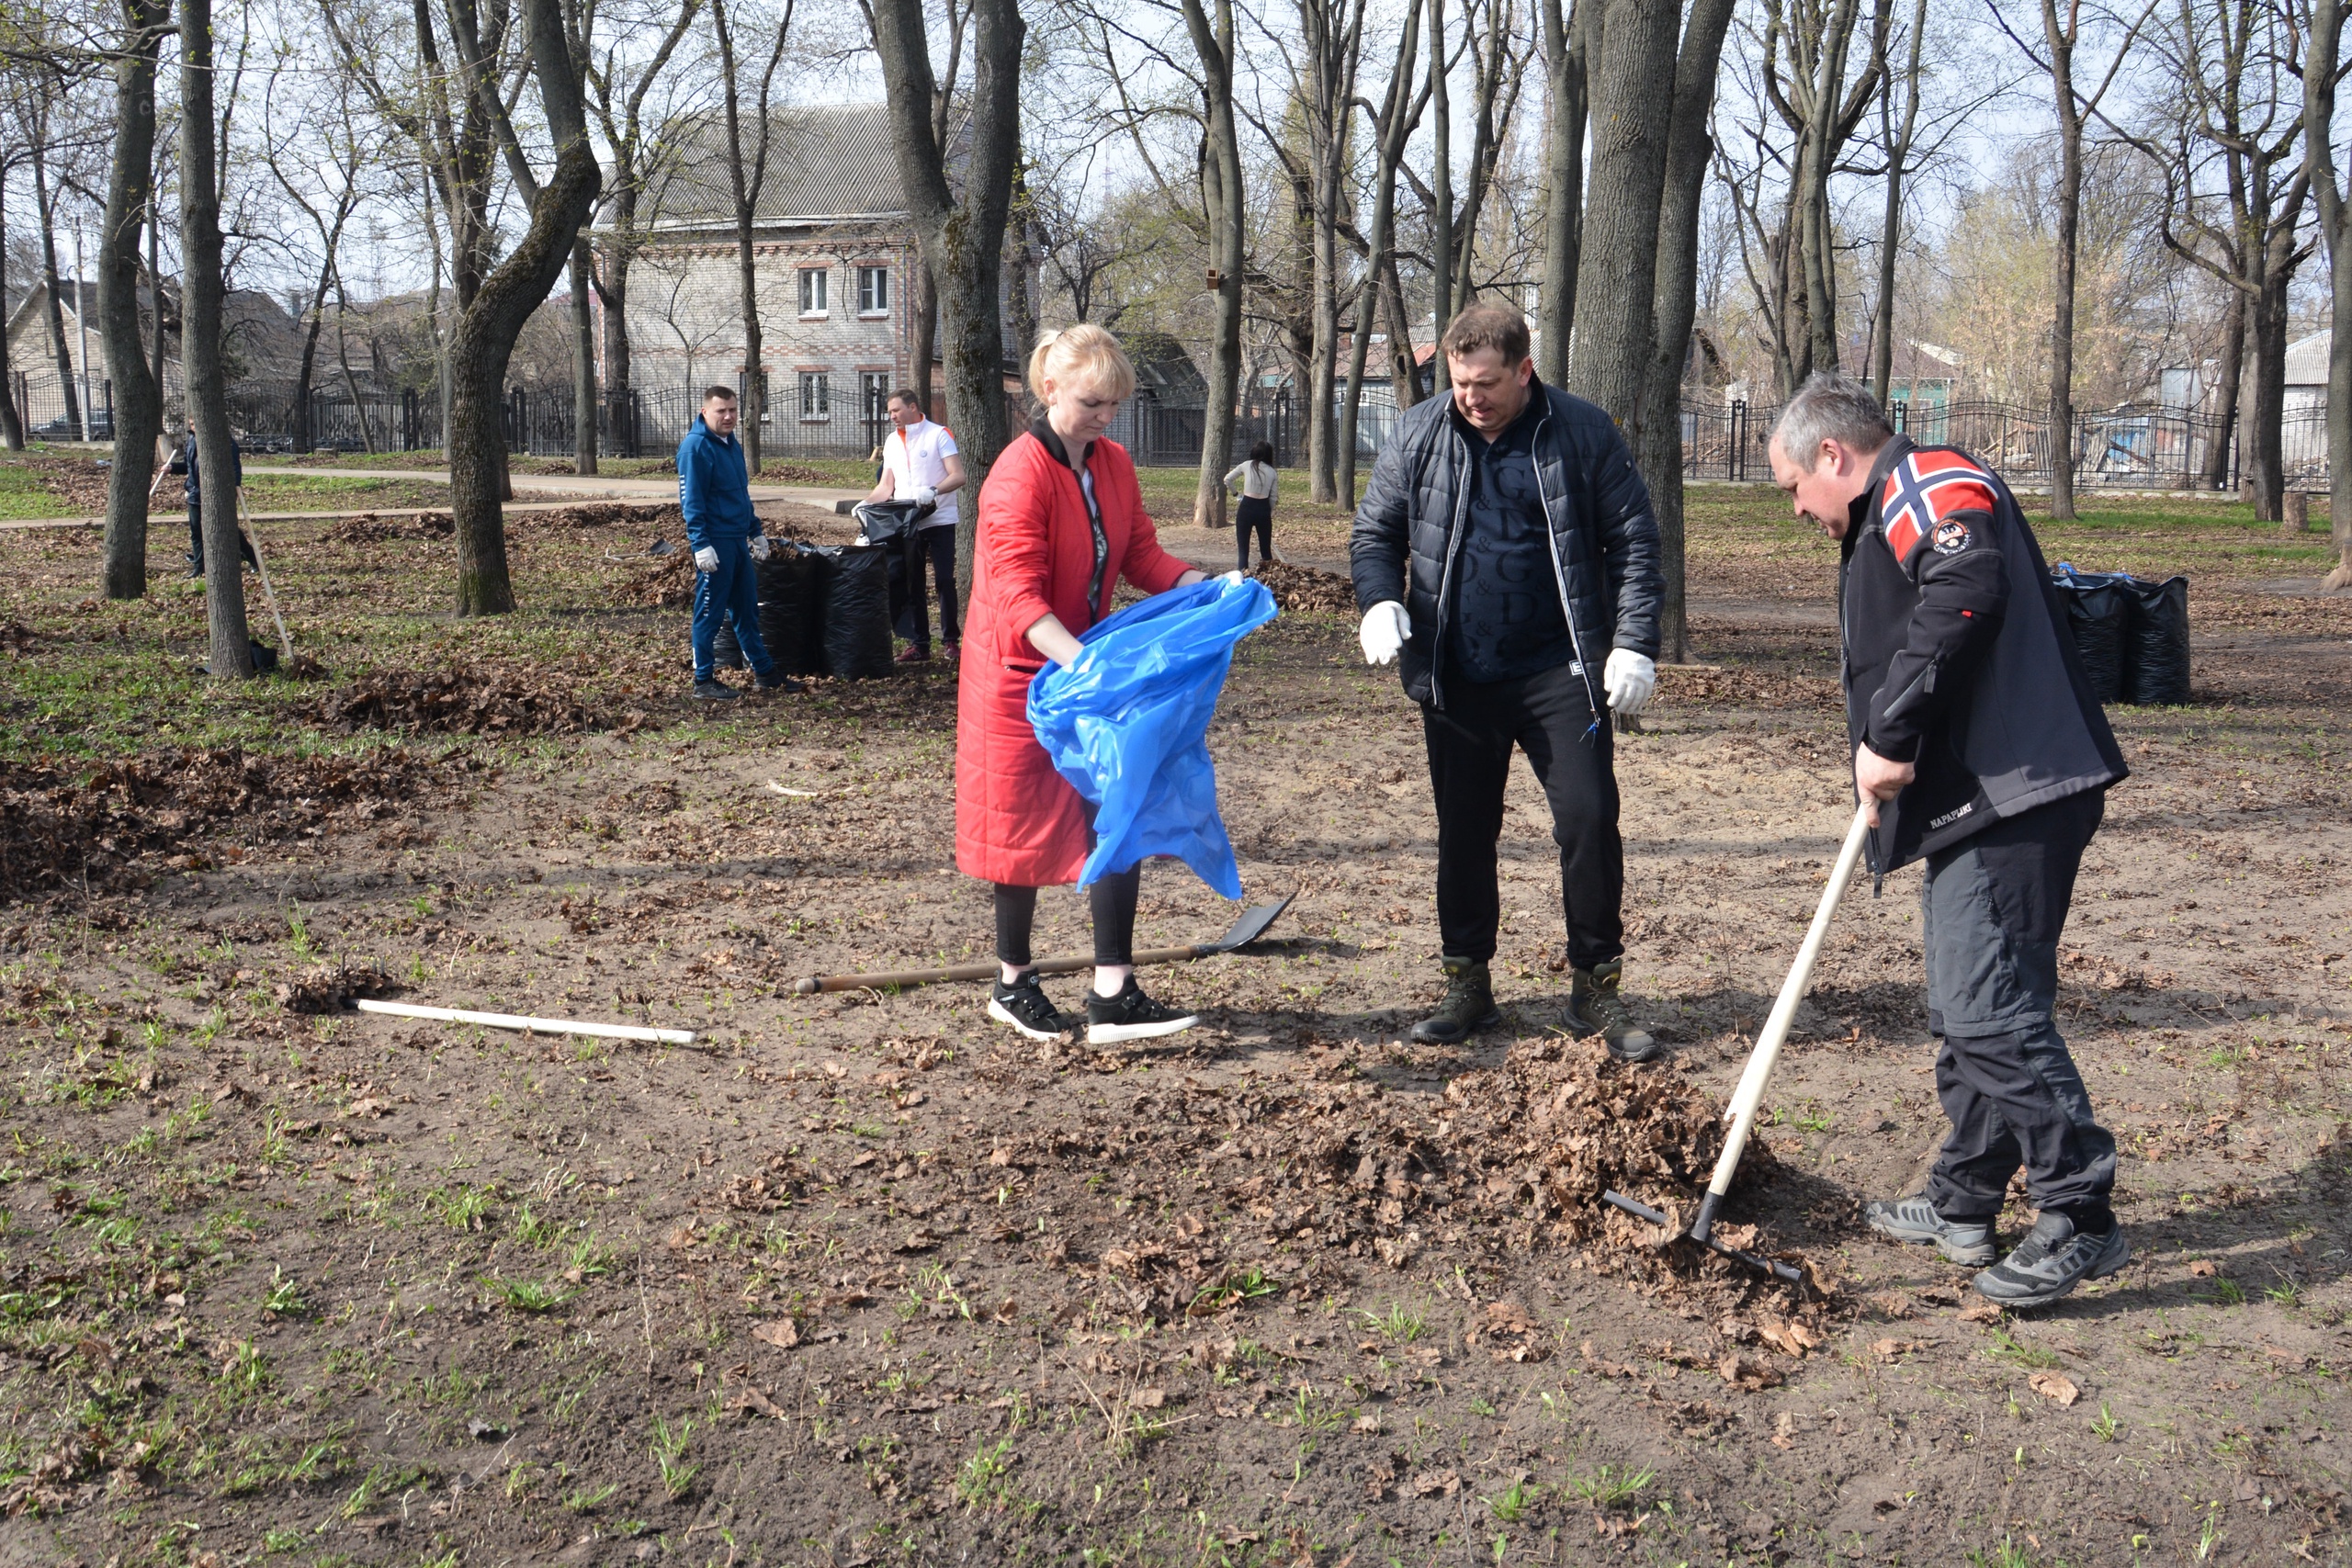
(1127, 726)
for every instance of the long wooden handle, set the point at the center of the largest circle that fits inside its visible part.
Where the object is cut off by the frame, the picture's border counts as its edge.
(261, 564)
(1750, 1093)
(812, 984)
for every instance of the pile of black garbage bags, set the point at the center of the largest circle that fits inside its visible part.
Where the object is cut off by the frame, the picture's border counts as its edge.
(2133, 633)
(824, 610)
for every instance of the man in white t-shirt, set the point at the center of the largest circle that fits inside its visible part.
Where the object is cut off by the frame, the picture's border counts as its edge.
(920, 464)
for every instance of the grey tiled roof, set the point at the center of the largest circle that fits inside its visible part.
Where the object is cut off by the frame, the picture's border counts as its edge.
(828, 161)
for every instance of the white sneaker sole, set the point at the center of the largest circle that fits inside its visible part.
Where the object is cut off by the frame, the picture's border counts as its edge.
(1111, 1034)
(1003, 1014)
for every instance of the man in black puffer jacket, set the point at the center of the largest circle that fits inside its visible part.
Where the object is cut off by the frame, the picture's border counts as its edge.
(1504, 551)
(1981, 750)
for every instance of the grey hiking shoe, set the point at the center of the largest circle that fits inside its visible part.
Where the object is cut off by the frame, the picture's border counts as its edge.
(714, 692)
(1596, 1008)
(1467, 1005)
(2053, 1259)
(1968, 1243)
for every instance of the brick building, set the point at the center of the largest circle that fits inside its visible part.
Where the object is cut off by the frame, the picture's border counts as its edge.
(834, 257)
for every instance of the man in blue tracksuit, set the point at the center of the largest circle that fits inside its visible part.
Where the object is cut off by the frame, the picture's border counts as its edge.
(715, 493)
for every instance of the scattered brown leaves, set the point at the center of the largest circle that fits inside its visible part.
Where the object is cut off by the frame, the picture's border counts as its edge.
(330, 987)
(1306, 589)
(2054, 1385)
(461, 703)
(373, 529)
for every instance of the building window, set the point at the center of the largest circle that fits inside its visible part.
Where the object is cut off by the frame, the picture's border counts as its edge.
(812, 291)
(874, 291)
(874, 402)
(816, 397)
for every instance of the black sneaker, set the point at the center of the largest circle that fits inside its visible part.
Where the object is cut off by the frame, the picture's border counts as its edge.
(1130, 1015)
(715, 691)
(1467, 1005)
(1025, 1005)
(1596, 1008)
(1968, 1243)
(2053, 1259)
(777, 681)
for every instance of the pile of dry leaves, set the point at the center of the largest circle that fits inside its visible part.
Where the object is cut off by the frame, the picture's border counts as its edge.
(660, 520)
(60, 828)
(458, 702)
(371, 529)
(667, 584)
(1308, 589)
(1734, 685)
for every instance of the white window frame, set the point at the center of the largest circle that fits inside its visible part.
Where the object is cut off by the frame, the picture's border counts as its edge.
(873, 285)
(815, 290)
(816, 397)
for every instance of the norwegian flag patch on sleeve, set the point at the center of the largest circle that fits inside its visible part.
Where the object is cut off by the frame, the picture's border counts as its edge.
(1922, 496)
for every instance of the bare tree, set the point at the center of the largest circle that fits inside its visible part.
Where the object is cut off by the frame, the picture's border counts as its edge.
(1633, 104)
(1333, 40)
(744, 182)
(137, 395)
(39, 113)
(1393, 123)
(328, 211)
(12, 427)
(203, 293)
(1215, 44)
(1898, 144)
(2062, 35)
(962, 239)
(2321, 67)
(1564, 62)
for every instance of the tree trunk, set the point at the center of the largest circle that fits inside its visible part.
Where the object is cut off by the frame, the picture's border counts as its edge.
(2228, 377)
(483, 338)
(1333, 44)
(138, 401)
(584, 368)
(963, 241)
(1818, 161)
(1228, 238)
(2336, 227)
(1564, 45)
(2264, 456)
(1881, 368)
(1398, 114)
(45, 201)
(2061, 40)
(154, 287)
(611, 282)
(306, 368)
(12, 426)
(926, 332)
(1404, 369)
(1615, 332)
(746, 193)
(1441, 190)
(203, 290)
(1658, 437)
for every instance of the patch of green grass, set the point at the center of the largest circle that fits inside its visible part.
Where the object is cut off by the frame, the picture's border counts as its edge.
(669, 1449)
(1515, 1503)
(1609, 1486)
(529, 1295)
(981, 1484)
(2007, 1348)
(1400, 1324)
(462, 1207)
(1237, 1286)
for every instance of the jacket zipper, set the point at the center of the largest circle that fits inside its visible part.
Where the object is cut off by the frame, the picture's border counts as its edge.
(1559, 575)
(1445, 578)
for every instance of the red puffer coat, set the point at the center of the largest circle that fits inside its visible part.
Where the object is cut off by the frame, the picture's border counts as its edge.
(1017, 822)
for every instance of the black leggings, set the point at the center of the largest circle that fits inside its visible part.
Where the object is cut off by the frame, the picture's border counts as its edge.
(1111, 900)
(1256, 511)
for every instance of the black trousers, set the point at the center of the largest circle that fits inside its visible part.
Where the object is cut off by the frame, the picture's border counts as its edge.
(1255, 511)
(1550, 717)
(1993, 909)
(196, 539)
(910, 605)
(1111, 901)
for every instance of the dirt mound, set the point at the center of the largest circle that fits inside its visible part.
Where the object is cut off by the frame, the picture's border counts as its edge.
(457, 702)
(1308, 589)
(60, 826)
(662, 519)
(1733, 685)
(371, 529)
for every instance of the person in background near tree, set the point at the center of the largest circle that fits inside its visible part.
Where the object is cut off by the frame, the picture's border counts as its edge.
(1061, 521)
(195, 505)
(1505, 549)
(1981, 750)
(919, 463)
(715, 493)
(1259, 484)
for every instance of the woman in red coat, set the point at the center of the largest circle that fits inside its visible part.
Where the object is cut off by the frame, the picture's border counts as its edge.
(1061, 521)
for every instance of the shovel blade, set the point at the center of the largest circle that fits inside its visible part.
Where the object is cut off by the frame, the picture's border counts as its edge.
(1249, 928)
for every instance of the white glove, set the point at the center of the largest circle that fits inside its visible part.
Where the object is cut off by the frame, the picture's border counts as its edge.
(1629, 678)
(925, 495)
(1236, 577)
(706, 559)
(1383, 632)
(760, 547)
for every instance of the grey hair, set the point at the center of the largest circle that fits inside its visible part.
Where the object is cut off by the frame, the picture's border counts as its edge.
(1830, 407)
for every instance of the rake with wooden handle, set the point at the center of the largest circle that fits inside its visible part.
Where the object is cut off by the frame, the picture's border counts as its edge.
(245, 515)
(1749, 1095)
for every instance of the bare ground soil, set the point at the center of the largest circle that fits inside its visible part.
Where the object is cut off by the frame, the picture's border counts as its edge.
(863, 1277)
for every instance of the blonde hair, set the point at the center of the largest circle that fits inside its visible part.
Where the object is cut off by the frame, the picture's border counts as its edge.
(1083, 351)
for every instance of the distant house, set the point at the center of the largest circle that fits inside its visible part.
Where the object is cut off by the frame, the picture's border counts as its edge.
(262, 342)
(833, 259)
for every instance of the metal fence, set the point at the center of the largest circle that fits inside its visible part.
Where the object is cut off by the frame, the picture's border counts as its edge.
(2129, 448)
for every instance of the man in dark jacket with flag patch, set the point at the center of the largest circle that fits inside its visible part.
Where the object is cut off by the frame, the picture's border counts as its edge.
(1981, 751)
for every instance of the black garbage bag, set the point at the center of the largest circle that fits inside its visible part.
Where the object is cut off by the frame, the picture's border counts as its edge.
(792, 609)
(2155, 665)
(857, 612)
(2098, 613)
(265, 659)
(726, 653)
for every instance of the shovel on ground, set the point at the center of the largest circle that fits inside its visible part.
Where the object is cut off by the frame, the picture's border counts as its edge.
(1243, 931)
(1749, 1095)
